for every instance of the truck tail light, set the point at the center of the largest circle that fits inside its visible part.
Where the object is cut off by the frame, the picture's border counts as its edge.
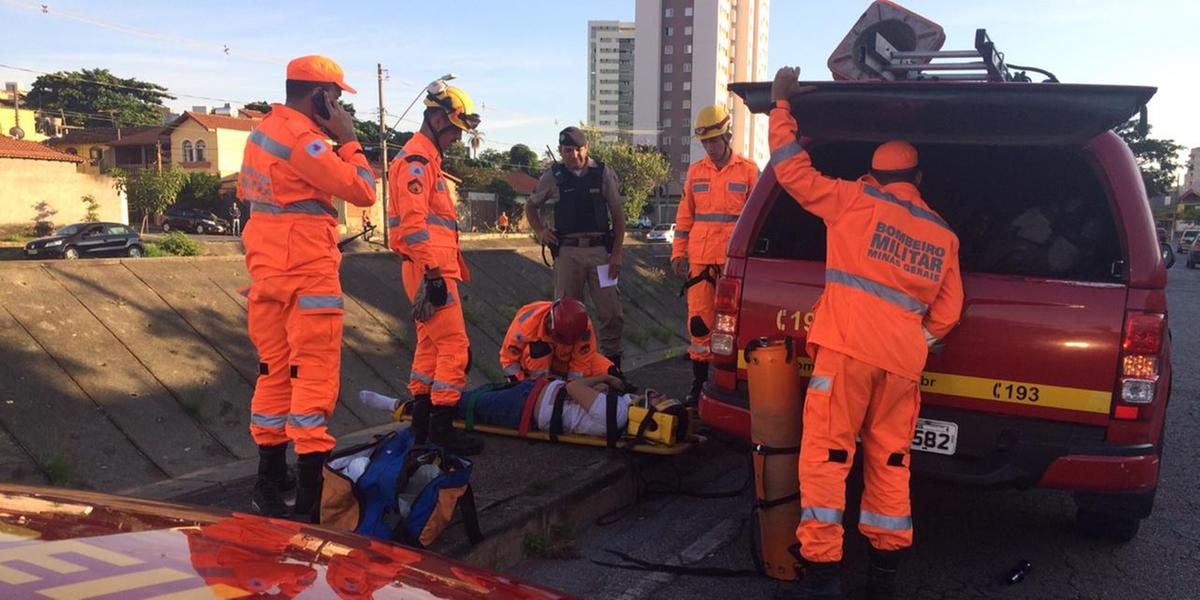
(724, 337)
(1141, 347)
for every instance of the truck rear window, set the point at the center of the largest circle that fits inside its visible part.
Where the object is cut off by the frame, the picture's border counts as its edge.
(1026, 211)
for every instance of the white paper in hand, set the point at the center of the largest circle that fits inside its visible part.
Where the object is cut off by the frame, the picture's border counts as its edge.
(605, 280)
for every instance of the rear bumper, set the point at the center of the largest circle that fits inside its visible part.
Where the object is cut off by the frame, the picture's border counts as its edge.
(997, 451)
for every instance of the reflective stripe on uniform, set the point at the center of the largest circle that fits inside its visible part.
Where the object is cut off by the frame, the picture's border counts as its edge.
(820, 383)
(272, 421)
(416, 238)
(575, 375)
(393, 221)
(303, 207)
(884, 522)
(735, 186)
(296, 420)
(683, 235)
(524, 317)
(423, 378)
(311, 302)
(540, 373)
(822, 515)
(442, 385)
(912, 209)
(785, 152)
(699, 187)
(270, 146)
(714, 218)
(520, 337)
(441, 222)
(876, 289)
(512, 369)
(366, 176)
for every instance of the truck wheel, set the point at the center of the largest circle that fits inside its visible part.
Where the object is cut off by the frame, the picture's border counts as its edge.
(1116, 528)
(166, 227)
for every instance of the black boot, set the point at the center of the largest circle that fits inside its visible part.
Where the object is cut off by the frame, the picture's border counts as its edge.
(443, 433)
(267, 499)
(420, 418)
(881, 576)
(820, 581)
(308, 487)
(699, 376)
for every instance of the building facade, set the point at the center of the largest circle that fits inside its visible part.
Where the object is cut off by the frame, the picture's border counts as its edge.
(688, 51)
(610, 78)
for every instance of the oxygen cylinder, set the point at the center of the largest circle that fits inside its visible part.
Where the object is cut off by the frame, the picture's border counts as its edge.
(776, 413)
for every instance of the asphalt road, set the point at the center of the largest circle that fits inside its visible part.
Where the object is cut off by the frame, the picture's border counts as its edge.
(966, 540)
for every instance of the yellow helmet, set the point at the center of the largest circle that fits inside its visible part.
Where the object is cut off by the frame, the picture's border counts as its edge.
(455, 102)
(713, 122)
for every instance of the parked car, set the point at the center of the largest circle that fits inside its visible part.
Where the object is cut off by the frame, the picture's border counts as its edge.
(84, 240)
(663, 232)
(1059, 372)
(195, 220)
(1194, 256)
(76, 544)
(1188, 238)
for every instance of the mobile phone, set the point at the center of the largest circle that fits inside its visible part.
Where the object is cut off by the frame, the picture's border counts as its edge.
(321, 104)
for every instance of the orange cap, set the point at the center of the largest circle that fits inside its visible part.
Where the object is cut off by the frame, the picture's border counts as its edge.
(317, 68)
(895, 155)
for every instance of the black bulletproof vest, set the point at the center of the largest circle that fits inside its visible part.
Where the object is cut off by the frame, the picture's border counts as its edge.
(581, 208)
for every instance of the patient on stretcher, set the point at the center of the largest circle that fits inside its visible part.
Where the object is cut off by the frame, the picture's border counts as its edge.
(584, 409)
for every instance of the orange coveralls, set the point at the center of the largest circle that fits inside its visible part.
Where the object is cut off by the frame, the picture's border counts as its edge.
(423, 230)
(529, 351)
(289, 177)
(242, 556)
(712, 200)
(892, 287)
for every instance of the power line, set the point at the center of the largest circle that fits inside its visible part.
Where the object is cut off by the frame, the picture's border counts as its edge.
(167, 92)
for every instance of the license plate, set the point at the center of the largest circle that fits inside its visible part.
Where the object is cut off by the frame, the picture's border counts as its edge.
(31, 252)
(938, 437)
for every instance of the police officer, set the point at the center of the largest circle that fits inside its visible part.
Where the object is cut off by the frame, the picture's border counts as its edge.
(870, 337)
(423, 230)
(290, 174)
(589, 230)
(713, 196)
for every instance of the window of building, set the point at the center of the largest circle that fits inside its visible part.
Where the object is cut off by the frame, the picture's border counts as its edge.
(687, 86)
(685, 140)
(668, 13)
(685, 105)
(687, 30)
(668, 49)
(668, 31)
(666, 105)
(666, 123)
(200, 148)
(667, 86)
(687, 11)
(667, 140)
(189, 154)
(687, 49)
(667, 68)
(684, 159)
(687, 67)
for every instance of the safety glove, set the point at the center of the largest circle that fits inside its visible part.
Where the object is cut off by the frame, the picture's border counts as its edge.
(422, 309)
(437, 293)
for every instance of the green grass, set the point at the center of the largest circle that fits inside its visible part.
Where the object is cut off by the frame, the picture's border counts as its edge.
(153, 251)
(553, 543)
(15, 238)
(662, 334)
(640, 336)
(58, 470)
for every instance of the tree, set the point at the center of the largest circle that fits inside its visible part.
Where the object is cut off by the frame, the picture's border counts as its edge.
(261, 106)
(525, 159)
(641, 169)
(475, 140)
(1158, 159)
(148, 190)
(97, 98)
(200, 190)
(492, 158)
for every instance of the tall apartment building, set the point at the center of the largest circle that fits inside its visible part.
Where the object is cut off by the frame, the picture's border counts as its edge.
(610, 78)
(688, 51)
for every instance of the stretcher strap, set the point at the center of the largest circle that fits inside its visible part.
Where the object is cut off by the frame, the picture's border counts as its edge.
(611, 432)
(765, 504)
(646, 423)
(556, 423)
(470, 516)
(772, 451)
(469, 419)
(530, 402)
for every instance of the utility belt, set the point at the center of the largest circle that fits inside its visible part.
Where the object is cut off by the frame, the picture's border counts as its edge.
(709, 274)
(591, 240)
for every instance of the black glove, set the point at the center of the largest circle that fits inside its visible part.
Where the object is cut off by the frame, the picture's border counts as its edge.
(437, 293)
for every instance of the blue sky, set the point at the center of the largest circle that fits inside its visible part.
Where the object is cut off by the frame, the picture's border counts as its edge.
(525, 61)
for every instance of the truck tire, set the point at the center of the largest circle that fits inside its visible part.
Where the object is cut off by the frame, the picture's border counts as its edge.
(1116, 528)
(166, 226)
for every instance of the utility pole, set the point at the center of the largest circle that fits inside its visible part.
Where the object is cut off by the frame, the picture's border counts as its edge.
(383, 153)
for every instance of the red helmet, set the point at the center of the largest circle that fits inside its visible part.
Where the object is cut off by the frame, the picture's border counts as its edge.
(568, 320)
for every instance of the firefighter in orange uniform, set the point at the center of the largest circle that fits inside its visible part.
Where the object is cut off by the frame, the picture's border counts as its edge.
(713, 196)
(290, 174)
(423, 230)
(892, 291)
(249, 556)
(552, 339)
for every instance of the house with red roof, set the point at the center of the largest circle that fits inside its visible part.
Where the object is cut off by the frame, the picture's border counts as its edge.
(45, 185)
